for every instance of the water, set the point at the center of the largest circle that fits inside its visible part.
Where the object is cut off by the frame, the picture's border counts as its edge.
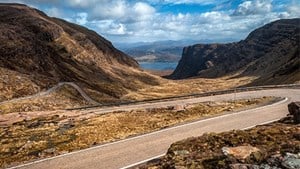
(158, 65)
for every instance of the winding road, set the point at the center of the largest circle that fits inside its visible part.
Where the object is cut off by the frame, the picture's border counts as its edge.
(132, 151)
(52, 89)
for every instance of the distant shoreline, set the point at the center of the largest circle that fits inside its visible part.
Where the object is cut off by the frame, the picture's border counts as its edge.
(160, 73)
(158, 66)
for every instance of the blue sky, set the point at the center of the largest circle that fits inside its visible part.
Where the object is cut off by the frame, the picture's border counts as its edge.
(129, 21)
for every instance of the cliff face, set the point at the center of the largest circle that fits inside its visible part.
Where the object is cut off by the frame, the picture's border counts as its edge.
(270, 53)
(43, 51)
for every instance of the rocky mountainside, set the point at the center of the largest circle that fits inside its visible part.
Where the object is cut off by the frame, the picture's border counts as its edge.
(270, 53)
(37, 52)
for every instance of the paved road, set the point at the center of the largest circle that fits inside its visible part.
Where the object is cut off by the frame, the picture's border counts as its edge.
(52, 89)
(130, 151)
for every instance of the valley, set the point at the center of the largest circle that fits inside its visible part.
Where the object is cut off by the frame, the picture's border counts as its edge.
(69, 97)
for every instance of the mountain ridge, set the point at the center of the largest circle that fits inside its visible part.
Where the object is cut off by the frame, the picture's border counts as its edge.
(265, 53)
(43, 51)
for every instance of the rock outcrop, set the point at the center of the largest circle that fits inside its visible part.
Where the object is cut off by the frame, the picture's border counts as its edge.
(39, 51)
(294, 110)
(240, 152)
(270, 53)
(274, 145)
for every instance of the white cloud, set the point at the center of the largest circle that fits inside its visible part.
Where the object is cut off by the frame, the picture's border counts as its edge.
(203, 2)
(110, 27)
(254, 7)
(294, 10)
(114, 10)
(141, 20)
(83, 3)
(81, 18)
(214, 17)
(54, 12)
(142, 8)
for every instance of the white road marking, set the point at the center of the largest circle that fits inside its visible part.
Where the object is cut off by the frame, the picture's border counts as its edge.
(141, 162)
(148, 134)
(152, 158)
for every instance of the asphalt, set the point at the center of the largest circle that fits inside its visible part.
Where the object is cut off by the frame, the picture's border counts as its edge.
(128, 152)
(52, 89)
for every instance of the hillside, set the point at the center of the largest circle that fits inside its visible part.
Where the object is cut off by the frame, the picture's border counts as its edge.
(37, 52)
(269, 53)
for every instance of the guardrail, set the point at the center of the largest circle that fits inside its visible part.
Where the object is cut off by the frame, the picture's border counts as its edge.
(218, 92)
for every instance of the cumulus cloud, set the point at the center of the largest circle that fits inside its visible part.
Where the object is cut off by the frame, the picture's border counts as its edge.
(294, 10)
(54, 12)
(254, 7)
(82, 3)
(142, 20)
(143, 9)
(81, 18)
(113, 10)
(203, 2)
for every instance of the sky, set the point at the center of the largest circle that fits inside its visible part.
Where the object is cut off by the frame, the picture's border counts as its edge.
(129, 21)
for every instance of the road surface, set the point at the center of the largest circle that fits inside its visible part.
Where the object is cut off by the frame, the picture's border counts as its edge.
(131, 151)
(52, 89)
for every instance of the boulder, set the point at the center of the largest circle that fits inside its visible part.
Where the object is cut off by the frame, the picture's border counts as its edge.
(179, 108)
(291, 161)
(243, 166)
(241, 152)
(294, 110)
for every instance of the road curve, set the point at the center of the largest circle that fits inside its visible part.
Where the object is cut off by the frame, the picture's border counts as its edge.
(52, 89)
(133, 150)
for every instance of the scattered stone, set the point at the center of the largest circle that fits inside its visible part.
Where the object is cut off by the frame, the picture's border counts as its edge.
(180, 167)
(181, 152)
(291, 161)
(294, 109)
(26, 146)
(51, 124)
(49, 151)
(244, 166)
(240, 152)
(67, 125)
(35, 124)
(179, 108)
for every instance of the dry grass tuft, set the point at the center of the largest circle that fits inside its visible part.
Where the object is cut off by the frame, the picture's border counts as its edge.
(52, 135)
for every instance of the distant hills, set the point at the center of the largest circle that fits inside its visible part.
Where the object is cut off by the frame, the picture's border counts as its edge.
(270, 53)
(37, 52)
(159, 51)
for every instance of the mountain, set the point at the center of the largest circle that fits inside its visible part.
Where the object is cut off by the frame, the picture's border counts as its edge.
(159, 51)
(37, 52)
(270, 53)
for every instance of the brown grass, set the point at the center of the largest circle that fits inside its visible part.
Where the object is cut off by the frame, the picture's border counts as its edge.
(14, 84)
(65, 97)
(53, 135)
(187, 86)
